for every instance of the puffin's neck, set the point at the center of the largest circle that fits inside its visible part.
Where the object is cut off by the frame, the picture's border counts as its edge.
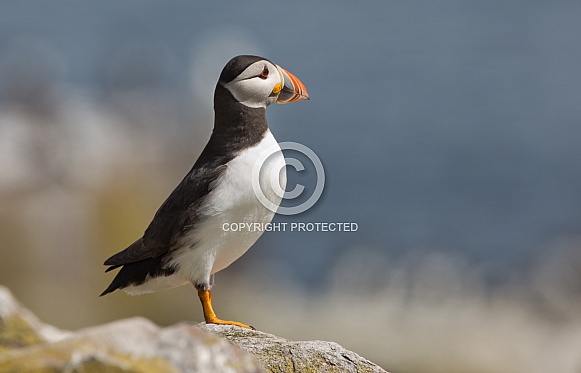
(235, 124)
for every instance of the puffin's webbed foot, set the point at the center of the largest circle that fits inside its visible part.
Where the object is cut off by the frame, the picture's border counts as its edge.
(209, 315)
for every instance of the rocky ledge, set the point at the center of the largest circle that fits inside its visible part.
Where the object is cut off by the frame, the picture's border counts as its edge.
(136, 345)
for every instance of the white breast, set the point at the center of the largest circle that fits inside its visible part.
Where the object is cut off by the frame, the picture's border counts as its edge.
(211, 248)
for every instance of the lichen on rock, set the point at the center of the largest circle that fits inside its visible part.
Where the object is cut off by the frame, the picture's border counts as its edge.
(16, 332)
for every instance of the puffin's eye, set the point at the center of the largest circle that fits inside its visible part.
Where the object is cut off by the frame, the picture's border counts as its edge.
(264, 73)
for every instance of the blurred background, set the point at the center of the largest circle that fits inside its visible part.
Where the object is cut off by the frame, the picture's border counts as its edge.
(449, 131)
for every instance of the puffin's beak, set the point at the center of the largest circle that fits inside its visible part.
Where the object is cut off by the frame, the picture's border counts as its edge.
(291, 89)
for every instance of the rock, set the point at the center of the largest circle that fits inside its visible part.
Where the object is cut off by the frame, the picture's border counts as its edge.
(282, 355)
(21, 328)
(136, 345)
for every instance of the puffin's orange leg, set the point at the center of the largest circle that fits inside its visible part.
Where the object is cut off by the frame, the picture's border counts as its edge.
(209, 315)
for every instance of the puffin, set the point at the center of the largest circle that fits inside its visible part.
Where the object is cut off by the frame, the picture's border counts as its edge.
(186, 242)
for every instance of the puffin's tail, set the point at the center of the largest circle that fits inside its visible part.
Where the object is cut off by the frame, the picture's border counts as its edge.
(137, 273)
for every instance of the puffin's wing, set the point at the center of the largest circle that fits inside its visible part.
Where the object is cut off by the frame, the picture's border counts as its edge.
(135, 252)
(176, 216)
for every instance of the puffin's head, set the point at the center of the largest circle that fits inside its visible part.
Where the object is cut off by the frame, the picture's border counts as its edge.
(256, 82)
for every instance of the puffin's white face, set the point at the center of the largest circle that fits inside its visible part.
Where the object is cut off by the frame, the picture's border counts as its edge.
(258, 85)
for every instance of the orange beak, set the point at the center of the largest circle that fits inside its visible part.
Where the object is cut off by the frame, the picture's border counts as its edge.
(291, 88)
